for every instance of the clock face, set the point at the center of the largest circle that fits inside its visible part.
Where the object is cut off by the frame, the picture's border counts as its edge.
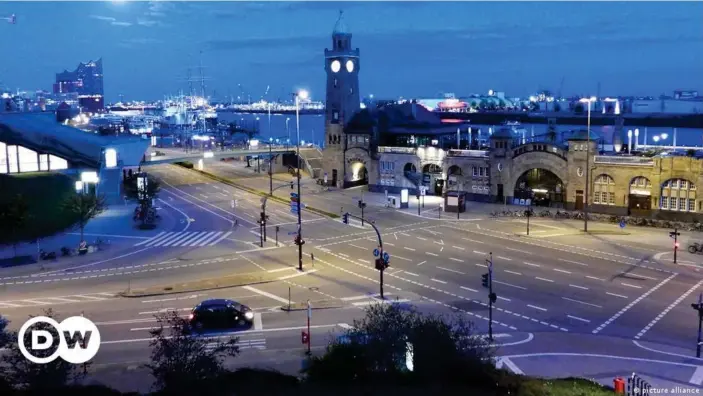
(335, 66)
(350, 66)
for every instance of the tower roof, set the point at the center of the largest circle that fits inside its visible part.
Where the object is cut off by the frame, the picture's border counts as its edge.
(340, 27)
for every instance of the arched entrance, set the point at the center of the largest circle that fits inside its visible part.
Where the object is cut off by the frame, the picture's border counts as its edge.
(543, 187)
(359, 175)
(432, 178)
(640, 197)
(454, 174)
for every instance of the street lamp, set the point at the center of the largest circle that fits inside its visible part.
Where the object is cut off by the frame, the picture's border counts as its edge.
(588, 160)
(287, 130)
(302, 94)
(655, 138)
(629, 141)
(664, 136)
(637, 138)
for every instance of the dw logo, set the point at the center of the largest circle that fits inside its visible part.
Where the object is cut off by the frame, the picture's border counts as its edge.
(78, 339)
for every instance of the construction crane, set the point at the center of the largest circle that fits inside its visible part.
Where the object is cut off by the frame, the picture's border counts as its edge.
(12, 19)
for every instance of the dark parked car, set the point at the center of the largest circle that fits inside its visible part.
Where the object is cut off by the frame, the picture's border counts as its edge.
(220, 314)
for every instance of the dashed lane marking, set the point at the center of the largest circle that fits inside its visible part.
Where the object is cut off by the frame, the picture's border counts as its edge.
(544, 279)
(451, 270)
(578, 287)
(581, 302)
(615, 295)
(632, 304)
(537, 308)
(438, 281)
(629, 285)
(669, 308)
(579, 319)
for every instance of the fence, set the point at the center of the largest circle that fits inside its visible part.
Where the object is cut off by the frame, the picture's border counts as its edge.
(636, 386)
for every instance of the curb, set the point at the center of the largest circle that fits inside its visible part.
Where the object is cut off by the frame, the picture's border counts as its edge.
(315, 305)
(255, 191)
(196, 286)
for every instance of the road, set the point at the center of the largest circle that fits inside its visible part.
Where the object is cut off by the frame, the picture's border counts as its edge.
(597, 306)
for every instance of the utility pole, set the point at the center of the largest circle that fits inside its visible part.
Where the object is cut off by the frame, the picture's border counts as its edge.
(675, 234)
(418, 203)
(528, 214)
(487, 282)
(382, 258)
(264, 217)
(277, 229)
(362, 205)
(699, 307)
(262, 228)
(270, 158)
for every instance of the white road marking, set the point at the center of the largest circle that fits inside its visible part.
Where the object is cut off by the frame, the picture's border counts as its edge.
(578, 287)
(508, 284)
(632, 304)
(421, 238)
(481, 253)
(456, 259)
(531, 264)
(362, 297)
(220, 239)
(266, 294)
(432, 254)
(407, 248)
(615, 295)
(411, 273)
(629, 285)
(371, 302)
(401, 258)
(252, 262)
(536, 307)
(518, 250)
(156, 236)
(258, 325)
(438, 281)
(481, 265)
(419, 264)
(638, 275)
(697, 377)
(594, 278)
(62, 299)
(544, 279)
(451, 270)
(358, 247)
(667, 309)
(512, 272)
(472, 240)
(468, 288)
(577, 318)
(574, 262)
(504, 258)
(93, 297)
(562, 271)
(503, 298)
(503, 361)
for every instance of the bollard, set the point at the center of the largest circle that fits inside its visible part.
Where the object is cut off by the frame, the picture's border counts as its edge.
(619, 386)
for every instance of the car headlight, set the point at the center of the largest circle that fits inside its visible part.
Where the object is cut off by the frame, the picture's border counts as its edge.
(249, 315)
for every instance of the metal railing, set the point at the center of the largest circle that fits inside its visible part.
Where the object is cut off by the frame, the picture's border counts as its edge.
(397, 150)
(636, 161)
(468, 153)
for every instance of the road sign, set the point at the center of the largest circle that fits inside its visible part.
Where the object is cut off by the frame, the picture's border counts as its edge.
(293, 195)
(386, 256)
(376, 252)
(622, 224)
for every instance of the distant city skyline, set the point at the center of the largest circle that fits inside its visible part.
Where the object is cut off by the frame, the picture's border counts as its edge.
(418, 49)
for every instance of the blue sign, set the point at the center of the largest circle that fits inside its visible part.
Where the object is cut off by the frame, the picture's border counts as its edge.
(386, 256)
(622, 224)
(376, 252)
(294, 195)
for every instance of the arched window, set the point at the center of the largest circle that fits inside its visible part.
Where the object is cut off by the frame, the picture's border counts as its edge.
(640, 183)
(604, 190)
(455, 170)
(679, 195)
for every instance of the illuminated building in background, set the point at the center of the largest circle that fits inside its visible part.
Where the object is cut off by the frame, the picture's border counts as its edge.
(87, 82)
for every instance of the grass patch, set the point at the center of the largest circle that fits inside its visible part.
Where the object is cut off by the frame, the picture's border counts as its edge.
(44, 193)
(563, 387)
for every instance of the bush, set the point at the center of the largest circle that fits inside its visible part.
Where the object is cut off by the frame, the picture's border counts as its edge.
(185, 164)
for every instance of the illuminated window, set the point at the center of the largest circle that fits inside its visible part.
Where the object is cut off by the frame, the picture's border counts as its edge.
(29, 162)
(604, 186)
(3, 158)
(12, 159)
(679, 194)
(56, 163)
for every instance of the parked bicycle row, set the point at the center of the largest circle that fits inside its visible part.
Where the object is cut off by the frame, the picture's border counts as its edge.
(628, 220)
(83, 248)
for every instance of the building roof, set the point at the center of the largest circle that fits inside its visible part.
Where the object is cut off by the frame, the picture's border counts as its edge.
(41, 132)
(582, 134)
(403, 118)
(341, 27)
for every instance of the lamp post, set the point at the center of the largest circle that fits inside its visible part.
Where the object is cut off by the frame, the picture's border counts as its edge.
(588, 160)
(637, 138)
(298, 95)
(629, 141)
(288, 130)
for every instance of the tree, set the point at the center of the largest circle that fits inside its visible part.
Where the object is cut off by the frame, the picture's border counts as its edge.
(13, 218)
(144, 198)
(376, 349)
(84, 207)
(38, 378)
(182, 361)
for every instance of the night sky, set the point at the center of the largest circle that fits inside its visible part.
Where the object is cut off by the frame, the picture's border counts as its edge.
(418, 49)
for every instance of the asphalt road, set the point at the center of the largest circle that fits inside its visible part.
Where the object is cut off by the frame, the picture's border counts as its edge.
(598, 306)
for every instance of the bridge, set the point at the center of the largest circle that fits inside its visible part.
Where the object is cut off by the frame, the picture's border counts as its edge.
(311, 156)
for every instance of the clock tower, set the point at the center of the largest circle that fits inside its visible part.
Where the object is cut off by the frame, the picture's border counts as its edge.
(342, 100)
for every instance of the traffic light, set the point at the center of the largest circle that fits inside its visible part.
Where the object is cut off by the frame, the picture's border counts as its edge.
(493, 297)
(263, 219)
(484, 280)
(381, 264)
(291, 185)
(345, 218)
(304, 337)
(676, 245)
(299, 241)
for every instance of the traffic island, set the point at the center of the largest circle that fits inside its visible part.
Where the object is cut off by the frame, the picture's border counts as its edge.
(319, 304)
(223, 282)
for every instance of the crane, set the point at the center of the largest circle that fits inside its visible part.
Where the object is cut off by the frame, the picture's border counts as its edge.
(12, 19)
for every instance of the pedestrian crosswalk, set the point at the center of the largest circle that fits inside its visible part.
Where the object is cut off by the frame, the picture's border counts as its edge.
(259, 344)
(185, 238)
(51, 301)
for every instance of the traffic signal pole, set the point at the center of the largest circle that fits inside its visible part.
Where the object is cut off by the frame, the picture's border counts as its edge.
(381, 262)
(675, 234)
(699, 307)
(490, 297)
(262, 221)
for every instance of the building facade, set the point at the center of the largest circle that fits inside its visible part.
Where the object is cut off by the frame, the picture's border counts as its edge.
(86, 81)
(406, 146)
